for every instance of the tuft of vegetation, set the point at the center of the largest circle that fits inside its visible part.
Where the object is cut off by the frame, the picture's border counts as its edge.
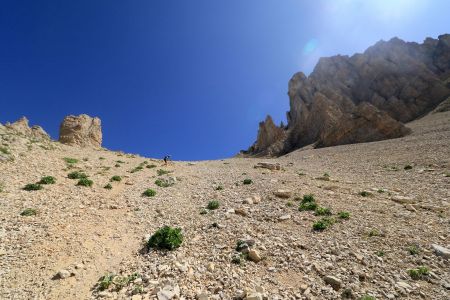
(161, 172)
(85, 182)
(116, 178)
(166, 238)
(344, 215)
(218, 188)
(151, 166)
(105, 282)
(379, 253)
(307, 206)
(101, 158)
(308, 198)
(4, 150)
(247, 181)
(138, 168)
(380, 191)
(365, 194)
(408, 167)
(418, 273)
(214, 204)
(414, 250)
(28, 212)
(70, 161)
(323, 224)
(322, 211)
(77, 175)
(289, 204)
(203, 212)
(108, 186)
(325, 177)
(120, 161)
(164, 182)
(149, 193)
(33, 187)
(374, 232)
(47, 180)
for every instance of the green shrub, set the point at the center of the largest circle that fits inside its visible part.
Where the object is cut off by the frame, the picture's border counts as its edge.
(70, 160)
(365, 194)
(101, 158)
(418, 273)
(164, 182)
(33, 187)
(323, 224)
(29, 212)
(289, 204)
(307, 206)
(108, 186)
(85, 182)
(247, 181)
(344, 215)
(214, 204)
(166, 238)
(4, 150)
(105, 282)
(379, 253)
(149, 193)
(161, 172)
(413, 249)
(76, 175)
(219, 188)
(151, 166)
(322, 211)
(408, 167)
(120, 162)
(47, 180)
(308, 198)
(138, 168)
(374, 232)
(116, 178)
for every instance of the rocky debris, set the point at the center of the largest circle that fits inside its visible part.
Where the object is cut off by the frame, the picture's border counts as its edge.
(441, 251)
(268, 165)
(403, 199)
(282, 193)
(169, 292)
(82, 130)
(63, 274)
(443, 106)
(362, 98)
(21, 127)
(335, 282)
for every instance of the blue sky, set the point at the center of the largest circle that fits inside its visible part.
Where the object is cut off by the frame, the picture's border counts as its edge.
(186, 78)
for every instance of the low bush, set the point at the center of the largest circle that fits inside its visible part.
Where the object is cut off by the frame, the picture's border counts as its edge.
(29, 212)
(70, 161)
(108, 186)
(323, 224)
(77, 175)
(307, 206)
(344, 215)
(322, 211)
(47, 180)
(214, 204)
(33, 187)
(166, 238)
(247, 181)
(85, 182)
(149, 193)
(418, 273)
(116, 178)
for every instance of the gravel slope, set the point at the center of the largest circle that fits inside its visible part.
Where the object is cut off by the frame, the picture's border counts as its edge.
(87, 232)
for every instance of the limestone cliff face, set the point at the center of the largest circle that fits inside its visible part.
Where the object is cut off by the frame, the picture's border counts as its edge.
(270, 139)
(363, 98)
(82, 130)
(21, 127)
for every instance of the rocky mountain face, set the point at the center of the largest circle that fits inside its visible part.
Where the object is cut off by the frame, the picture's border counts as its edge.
(362, 98)
(82, 130)
(22, 127)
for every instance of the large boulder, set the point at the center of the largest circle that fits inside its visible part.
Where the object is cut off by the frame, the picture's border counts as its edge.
(22, 127)
(82, 130)
(362, 98)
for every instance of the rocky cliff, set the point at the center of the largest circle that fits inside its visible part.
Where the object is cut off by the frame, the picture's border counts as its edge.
(82, 130)
(22, 127)
(362, 98)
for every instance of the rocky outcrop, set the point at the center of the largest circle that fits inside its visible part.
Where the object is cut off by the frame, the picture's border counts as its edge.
(362, 98)
(22, 127)
(82, 130)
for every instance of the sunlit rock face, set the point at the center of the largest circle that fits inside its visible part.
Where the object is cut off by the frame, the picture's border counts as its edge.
(82, 130)
(365, 97)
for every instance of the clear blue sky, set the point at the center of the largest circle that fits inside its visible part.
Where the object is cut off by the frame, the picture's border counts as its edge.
(186, 78)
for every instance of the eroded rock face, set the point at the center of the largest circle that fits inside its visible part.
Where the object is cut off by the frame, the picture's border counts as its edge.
(82, 130)
(22, 127)
(362, 98)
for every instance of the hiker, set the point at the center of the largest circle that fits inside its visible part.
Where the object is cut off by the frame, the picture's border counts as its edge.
(166, 159)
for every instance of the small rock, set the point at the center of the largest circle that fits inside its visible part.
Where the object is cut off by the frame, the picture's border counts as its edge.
(283, 193)
(335, 282)
(136, 297)
(403, 199)
(403, 284)
(441, 251)
(63, 274)
(210, 267)
(241, 212)
(202, 296)
(254, 296)
(254, 255)
(248, 201)
(284, 217)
